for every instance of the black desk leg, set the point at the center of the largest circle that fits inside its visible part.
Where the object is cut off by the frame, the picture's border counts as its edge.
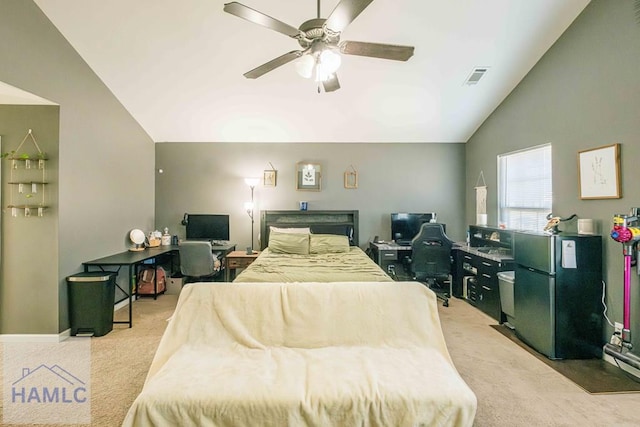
(130, 293)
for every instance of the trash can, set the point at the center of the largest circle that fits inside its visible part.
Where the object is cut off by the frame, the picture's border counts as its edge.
(506, 280)
(91, 301)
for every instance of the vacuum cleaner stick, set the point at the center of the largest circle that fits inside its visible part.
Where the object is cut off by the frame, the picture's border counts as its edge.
(625, 232)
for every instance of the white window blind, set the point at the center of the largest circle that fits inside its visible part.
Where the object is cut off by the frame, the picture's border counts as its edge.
(524, 186)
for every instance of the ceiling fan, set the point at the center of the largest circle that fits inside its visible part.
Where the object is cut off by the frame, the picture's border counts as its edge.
(320, 42)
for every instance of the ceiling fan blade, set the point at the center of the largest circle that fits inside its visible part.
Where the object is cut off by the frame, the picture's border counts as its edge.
(331, 84)
(273, 64)
(377, 50)
(260, 18)
(344, 13)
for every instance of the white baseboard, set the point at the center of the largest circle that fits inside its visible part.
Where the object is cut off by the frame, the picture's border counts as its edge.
(36, 337)
(49, 337)
(121, 304)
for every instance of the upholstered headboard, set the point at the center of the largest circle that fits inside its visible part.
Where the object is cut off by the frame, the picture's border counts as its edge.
(320, 222)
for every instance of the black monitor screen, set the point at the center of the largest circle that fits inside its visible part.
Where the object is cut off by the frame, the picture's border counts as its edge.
(405, 226)
(211, 227)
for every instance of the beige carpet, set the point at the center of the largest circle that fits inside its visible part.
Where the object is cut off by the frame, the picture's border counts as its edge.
(595, 375)
(121, 358)
(513, 387)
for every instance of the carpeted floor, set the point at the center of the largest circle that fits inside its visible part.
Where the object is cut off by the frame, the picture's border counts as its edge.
(121, 358)
(595, 376)
(513, 387)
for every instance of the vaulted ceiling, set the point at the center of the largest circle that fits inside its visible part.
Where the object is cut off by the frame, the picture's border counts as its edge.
(177, 66)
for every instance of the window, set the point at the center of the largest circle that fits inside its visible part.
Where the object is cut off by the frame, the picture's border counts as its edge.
(524, 187)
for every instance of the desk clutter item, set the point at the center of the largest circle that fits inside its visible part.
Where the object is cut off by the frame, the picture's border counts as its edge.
(586, 226)
(154, 239)
(166, 238)
(148, 284)
(137, 238)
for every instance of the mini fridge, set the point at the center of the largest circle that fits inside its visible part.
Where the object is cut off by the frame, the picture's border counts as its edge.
(557, 293)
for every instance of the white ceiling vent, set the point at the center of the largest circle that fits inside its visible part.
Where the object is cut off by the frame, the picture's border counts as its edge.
(476, 75)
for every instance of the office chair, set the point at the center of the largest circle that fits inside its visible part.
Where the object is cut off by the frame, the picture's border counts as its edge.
(197, 261)
(431, 260)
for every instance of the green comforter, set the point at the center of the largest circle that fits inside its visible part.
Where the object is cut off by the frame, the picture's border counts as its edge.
(352, 266)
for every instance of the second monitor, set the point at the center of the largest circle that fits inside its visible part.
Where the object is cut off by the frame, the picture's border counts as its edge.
(212, 227)
(405, 226)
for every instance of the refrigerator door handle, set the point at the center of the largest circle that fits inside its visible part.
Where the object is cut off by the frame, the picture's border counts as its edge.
(533, 270)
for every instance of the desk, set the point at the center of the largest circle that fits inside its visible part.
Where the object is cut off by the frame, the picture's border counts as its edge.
(475, 276)
(238, 259)
(387, 254)
(132, 259)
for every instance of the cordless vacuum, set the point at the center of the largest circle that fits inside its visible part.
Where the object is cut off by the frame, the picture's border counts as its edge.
(625, 231)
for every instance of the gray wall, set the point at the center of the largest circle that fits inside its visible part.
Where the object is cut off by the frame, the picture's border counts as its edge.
(209, 178)
(583, 93)
(29, 245)
(106, 160)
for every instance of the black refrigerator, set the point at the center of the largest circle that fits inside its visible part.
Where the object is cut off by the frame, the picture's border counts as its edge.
(557, 293)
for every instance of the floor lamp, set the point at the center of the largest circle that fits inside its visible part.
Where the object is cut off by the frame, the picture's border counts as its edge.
(249, 207)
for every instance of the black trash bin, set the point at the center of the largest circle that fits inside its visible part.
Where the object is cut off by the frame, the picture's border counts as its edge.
(91, 301)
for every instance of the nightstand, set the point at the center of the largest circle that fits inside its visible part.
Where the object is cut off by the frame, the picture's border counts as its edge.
(237, 259)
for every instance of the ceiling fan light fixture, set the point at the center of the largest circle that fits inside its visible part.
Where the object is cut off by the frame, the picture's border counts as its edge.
(321, 74)
(305, 66)
(330, 61)
(319, 38)
(319, 65)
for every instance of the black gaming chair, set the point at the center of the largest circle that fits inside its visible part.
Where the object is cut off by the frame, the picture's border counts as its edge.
(431, 260)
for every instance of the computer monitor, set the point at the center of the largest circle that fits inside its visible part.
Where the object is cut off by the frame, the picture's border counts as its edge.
(405, 226)
(207, 227)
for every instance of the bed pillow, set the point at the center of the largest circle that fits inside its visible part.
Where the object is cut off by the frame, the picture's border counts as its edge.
(328, 243)
(292, 230)
(289, 243)
(342, 230)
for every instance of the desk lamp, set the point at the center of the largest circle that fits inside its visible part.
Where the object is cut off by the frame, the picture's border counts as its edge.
(249, 206)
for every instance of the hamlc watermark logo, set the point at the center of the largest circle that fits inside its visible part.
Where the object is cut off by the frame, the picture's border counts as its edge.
(47, 383)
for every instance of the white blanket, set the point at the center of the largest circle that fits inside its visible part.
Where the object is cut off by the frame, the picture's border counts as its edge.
(298, 354)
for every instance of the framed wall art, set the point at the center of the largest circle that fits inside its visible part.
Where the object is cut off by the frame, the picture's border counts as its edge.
(351, 178)
(599, 172)
(308, 176)
(270, 178)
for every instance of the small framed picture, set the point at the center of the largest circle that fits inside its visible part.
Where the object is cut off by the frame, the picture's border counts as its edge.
(270, 177)
(308, 176)
(351, 179)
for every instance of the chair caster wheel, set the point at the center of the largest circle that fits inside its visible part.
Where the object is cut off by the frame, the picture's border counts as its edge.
(445, 304)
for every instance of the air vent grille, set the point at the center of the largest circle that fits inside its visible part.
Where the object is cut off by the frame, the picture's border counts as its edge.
(476, 75)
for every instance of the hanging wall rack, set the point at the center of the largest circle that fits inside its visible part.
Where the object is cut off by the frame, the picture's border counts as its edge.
(28, 182)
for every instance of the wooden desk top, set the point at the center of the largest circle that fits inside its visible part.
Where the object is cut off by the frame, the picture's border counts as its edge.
(242, 254)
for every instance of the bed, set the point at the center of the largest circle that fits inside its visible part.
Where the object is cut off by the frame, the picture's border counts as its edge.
(303, 354)
(311, 246)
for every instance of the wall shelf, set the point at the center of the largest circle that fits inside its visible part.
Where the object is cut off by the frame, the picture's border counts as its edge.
(27, 210)
(483, 236)
(27, 180)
